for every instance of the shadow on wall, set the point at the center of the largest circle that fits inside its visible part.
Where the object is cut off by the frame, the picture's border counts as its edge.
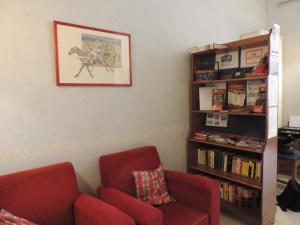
(84, 185)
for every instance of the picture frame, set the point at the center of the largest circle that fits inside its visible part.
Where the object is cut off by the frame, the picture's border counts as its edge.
(250, 57)
(89, 56)
(228, 60)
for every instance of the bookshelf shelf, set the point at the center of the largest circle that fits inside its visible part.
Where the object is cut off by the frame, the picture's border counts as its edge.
(209, 142)
(230, 113)
(239, 148)
(249, 42)
(228, 176)
(251, 215)
(229, 80)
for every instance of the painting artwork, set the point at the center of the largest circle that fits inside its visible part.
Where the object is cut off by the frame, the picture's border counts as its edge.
(87, 56)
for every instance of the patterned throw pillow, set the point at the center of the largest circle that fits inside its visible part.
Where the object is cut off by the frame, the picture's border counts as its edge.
(7, 218)
(151, 186)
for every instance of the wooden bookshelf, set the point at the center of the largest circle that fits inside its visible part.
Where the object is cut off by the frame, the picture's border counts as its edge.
(230, 146)
(245, 124)
(249, 42)
(217, 144)
(255, 183)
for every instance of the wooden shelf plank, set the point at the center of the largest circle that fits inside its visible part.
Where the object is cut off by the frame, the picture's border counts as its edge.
(249, 42)
(239, 148)
(230, 80)
(230, 113)
(253, 41)
(228, 176)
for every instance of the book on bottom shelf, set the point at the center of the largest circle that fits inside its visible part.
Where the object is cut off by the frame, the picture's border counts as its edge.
(239, 194)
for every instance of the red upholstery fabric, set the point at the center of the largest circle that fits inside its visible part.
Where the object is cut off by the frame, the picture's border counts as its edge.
(44, 196)
(196, 191)
(151, 186)
(141, 212)
(86, 207)
(178, 214)
(116, 169)
(199, 195)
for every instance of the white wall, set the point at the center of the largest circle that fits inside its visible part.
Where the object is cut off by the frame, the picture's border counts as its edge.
(288, 17)
(42, 124)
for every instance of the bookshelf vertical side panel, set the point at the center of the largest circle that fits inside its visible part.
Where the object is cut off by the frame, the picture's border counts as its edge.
(269, 182)
(190, 156)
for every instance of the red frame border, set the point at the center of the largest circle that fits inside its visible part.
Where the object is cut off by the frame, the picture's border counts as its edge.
(55, 23)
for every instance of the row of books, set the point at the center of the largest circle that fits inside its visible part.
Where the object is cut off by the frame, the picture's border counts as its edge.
(239, 195)
(229, 162)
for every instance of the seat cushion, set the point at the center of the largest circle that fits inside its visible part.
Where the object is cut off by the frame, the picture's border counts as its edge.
(178, 214)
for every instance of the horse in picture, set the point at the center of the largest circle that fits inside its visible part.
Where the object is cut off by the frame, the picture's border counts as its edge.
(86, 58)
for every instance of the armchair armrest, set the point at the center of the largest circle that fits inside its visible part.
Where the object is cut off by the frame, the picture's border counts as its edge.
(195, 191)
(89, 210)
(141, 212)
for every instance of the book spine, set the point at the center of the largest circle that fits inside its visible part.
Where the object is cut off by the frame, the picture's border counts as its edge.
(233, 166)
(226, 192)
(216, 159)
(238, 165)
(212, 159)
(221, 190)
(229, 163)
(225, 163)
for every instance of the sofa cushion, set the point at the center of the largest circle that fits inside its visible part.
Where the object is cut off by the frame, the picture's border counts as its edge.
(7, 218)
(44, 195)
(178, 214)
(151, 186)
(116, 169)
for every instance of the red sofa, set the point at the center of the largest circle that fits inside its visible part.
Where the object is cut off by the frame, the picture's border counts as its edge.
(50, 196)
(197, 198)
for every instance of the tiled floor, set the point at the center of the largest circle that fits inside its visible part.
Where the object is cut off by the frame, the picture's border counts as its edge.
(282, 218)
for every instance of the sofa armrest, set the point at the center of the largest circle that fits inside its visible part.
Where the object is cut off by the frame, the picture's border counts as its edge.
(195, 191)
(89, 210)
(141, 212)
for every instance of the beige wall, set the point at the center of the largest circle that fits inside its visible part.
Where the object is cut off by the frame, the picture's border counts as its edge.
(287, 16)
(42, 124)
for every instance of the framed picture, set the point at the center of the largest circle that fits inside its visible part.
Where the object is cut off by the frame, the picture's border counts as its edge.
(87, 56)
(228, 60)
(250, 57)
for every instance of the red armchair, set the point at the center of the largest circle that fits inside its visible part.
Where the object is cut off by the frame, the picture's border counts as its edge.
(50, 196)
(197, 198)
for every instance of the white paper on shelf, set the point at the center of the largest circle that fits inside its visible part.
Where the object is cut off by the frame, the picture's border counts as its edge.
(228, 60)
(253, 87)
(294, 121)
(205, 98)
(274, 65)
(216, 120)
(273, 82)
(274, 40)
(272, 122)
(250, 57)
